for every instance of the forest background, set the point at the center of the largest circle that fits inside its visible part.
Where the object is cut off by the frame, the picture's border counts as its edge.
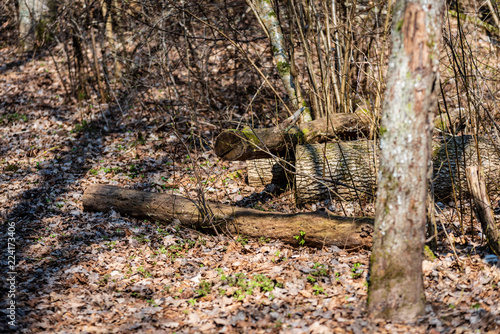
(135, 93)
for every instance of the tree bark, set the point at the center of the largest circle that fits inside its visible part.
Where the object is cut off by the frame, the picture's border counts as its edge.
(265, 171)
(251, 143)
(484, 212)
(396, 284)
(34, 17)
(269, 20)
(320, 228)
(262, 172)
(343, 171)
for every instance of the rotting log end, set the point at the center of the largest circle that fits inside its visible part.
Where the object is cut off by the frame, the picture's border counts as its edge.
(230, 145)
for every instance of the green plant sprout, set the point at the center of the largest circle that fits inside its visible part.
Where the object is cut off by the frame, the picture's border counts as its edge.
(301, 238)
(356, 270)
(317, 289)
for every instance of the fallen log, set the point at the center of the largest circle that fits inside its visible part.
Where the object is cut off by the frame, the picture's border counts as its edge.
(319, 228)
(344, 170)
(262, 172)
(347, 170)
(248, 143)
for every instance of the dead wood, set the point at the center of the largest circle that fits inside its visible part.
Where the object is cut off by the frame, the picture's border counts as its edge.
(347, 170)
(251, 143)
(483, 210)
(262, 172)
(320, 228)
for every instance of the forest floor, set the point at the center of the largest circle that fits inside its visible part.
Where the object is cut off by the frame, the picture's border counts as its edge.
(79, 272)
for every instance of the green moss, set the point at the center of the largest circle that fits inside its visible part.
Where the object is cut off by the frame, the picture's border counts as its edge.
(272, 14)
(250, 135)
(440, 125)
(283, 68)
(382, 130)
(428, 254)
(399, 25)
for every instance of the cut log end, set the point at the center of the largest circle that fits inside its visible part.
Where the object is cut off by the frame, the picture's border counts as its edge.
(230, 145)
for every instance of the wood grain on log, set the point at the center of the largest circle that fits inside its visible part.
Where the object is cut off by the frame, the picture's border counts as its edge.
(251, 143)
(262, 172)
(344, 169)
(484, 211)
(321, 228)
(347, 170)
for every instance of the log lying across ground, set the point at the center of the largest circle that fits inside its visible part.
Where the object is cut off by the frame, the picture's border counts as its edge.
(251, 143)
(320, 228)
(347, 170)
(344, 170)
(262, 172)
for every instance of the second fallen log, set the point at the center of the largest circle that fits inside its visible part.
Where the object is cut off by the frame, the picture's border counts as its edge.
(484, 211)
(348, 170)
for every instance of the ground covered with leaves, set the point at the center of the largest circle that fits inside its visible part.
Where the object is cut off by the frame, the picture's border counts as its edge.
(79, 272)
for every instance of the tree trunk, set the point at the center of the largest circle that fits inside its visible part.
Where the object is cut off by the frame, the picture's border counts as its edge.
(269, 20)
(34, 17)
(320, 228)
(484, 212)
(251, 143)
(396, 283)
(347, 170)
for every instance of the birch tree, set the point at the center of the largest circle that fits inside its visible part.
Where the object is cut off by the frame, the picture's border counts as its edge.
(34, 16)
(267, 17)
(396, 282)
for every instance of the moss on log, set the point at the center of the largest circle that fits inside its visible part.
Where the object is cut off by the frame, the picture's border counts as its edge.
(251, 143)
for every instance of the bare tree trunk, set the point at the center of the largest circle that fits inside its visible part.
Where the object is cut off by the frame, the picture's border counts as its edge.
(396, 282)
(267, 17)
(34, 16)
